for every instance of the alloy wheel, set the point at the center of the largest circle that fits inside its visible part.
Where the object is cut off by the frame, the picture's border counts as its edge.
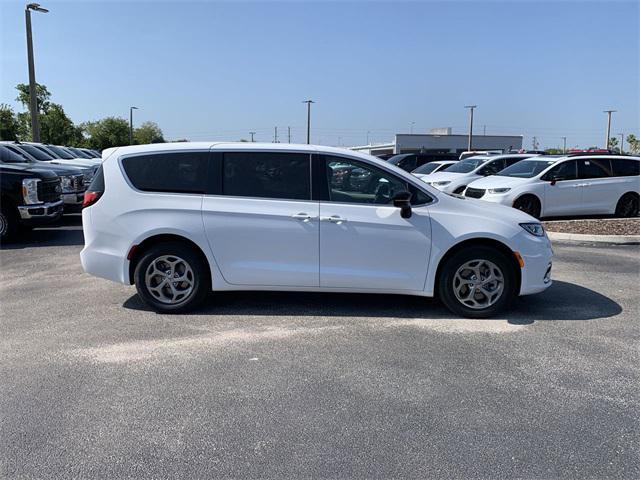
(478, 284)
(169, 279)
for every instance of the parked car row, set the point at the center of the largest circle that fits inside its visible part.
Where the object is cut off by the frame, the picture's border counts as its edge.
(40, 182)
(586, 183)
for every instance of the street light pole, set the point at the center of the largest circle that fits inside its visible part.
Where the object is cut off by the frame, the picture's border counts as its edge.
(608, 112)
(471, 109)
(252, 134)
(308, 102)
(412, 124)
(33, 98)
(621, 142)
(131, 109)
(564, 144)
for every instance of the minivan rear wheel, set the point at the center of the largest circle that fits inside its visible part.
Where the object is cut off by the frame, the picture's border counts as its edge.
(172, 278)
(477, 282)
(628, 205)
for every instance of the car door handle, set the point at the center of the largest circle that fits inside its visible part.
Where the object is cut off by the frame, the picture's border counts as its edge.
(333, 219)
(305, 217)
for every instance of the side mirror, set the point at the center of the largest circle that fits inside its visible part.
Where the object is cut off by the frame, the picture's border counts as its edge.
(402, 200)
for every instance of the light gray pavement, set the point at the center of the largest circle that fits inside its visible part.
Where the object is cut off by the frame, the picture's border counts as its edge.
(316, 385)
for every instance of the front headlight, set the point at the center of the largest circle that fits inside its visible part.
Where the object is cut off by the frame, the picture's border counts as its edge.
(534, 229)
(66, 183)
(30, 190)
(498, 190)
(440, 184)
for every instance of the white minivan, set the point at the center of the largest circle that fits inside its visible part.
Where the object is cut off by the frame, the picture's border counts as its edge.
(581, 184)
(179, 220)
(455, 178)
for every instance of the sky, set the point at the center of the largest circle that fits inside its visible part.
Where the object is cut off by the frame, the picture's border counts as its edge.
(214, 70)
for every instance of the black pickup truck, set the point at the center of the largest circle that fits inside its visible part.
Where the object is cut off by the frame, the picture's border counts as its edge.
(30, 196)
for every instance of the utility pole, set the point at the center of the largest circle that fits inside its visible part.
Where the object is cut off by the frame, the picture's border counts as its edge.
(564, 144)
(608, 112)
(308, 102)
(621, 142)
(275, 136)
(484, 130)
(412, 124)
(33, 94)
(131, 109)
(471, 109)
(535, 143)
(289, 134)
(252, 134)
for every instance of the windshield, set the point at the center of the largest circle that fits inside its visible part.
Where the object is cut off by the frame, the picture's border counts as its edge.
(61, 152)
(427, 168)
(396, 159)
(79, 153)
(8, 156)
(467, 165)
(36, 152)
(526, 168)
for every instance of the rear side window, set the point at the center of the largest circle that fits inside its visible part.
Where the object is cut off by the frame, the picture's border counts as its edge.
(267, 175)
(97, 184)
(594, 168)
(183, 172)
(625, 167)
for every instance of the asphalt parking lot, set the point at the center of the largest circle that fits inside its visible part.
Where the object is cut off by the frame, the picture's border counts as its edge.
(92, 384)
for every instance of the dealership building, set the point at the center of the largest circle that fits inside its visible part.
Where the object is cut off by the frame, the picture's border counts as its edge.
(441, 140)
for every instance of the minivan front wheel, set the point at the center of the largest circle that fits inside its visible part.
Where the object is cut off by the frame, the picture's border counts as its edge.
(477, 282)
(171, 278)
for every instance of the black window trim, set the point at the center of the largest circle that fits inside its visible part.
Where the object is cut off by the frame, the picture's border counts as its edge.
(163, 152)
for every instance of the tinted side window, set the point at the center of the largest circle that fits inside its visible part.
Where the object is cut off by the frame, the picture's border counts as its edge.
(183, 172)
(625, 167)
(408, 163)
(564, 171)
(594, 168)
(355, 182)
(267, 175)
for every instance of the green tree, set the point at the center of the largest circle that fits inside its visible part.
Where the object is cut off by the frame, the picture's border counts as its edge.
(634, 144)
(106, 133)
(554, 151)
(42, 96)
(148, 132)
(57, 128)
(613, 143)
(10, 128)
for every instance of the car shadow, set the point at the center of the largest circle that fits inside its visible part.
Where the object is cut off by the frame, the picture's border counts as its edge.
(562, 301)
(66, 232)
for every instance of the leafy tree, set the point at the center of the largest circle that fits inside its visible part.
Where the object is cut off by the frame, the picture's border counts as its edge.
(42, 96)
(57, 128)
(554, 151)
(148, 132)
(613, 143)
(634, 144)
(9, 124)
(106, 133)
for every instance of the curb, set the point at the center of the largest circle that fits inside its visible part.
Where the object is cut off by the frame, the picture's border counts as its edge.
(580, 237)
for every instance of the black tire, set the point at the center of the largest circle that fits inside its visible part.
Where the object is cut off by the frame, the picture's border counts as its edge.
(529, 204)
(9, 222)
(201, 277)
(628, 205)
(446, 286)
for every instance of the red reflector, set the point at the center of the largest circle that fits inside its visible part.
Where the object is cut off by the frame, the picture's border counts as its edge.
(90, 198)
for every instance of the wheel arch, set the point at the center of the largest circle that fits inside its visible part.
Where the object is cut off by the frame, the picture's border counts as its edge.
(479, 242)
(137, 251)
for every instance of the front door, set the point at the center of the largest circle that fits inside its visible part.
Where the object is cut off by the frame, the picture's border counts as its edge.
(563, 196)
(263, 226)
(364, 241)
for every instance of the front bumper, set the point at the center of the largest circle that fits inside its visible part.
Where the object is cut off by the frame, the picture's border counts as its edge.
(42, 213)
(536, 274)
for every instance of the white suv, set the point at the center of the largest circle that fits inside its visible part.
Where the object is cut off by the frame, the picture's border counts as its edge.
(559, 186)
(454, 179)
(179, 220)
